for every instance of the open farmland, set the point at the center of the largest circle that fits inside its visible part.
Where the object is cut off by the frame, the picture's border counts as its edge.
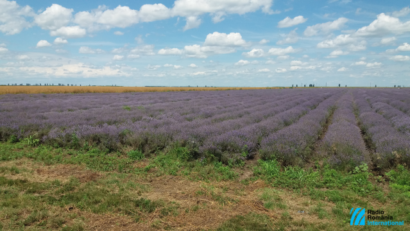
(296, 159)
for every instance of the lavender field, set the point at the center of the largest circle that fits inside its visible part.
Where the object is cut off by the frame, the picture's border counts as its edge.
(343, 127)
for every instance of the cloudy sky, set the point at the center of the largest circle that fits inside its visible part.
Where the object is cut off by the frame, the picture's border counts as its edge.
(205, 42)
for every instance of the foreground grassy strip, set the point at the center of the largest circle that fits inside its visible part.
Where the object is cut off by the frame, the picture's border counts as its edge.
(46, 188)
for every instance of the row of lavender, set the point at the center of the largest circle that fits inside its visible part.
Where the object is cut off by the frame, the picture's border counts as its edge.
(390, 146)
(343, 143)
(150, 121)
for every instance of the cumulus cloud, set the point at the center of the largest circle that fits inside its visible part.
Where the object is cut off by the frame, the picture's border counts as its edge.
(264, 70)
(118, 57)
(59, 41)
(375, 64)
(360, 63)
(222, 39)
(118, 33)
(198, 51)
(254, 53)
(153, 67)
(404, 47)
(383, 25)
(23, 57)
(170, 51)
(337, 53)
(288, 22)
(144, 50)
(280, 70)
(102, 18)
(54, 17)
(69, 32)
(61, 51)
(263, 41)
(296, 63)
(242, 62)
(387, 41)
(400, 58)
(154, 12)
(294, 68)
(292, 37)
(133, 56)
(12, 17)
(139, 39)
(342, 69)
(344, 40)
(87, 50)
(192, 22)
(325, 28)
(281, 51)
(43, 43)
(78, 69)
(3, 50)
(193, 65)
(403, 12)
(174, 66)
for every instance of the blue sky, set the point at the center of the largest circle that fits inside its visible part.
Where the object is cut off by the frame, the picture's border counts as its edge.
(199, 42)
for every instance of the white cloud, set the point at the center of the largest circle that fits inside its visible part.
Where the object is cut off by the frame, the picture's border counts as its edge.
(296, 63)
(60, 41)
(283, 57)
(154, 12)
(144, 50)
(337, 53)
(12, 17)
(384, 25)
(288, 22)
(242, 62)
(119, 50)
(400, 58)
(342, 69)
(263, 41)
(403, 12)
(104, 19)
(118, 57)
(153, 67)
(54, 17)
(43, 43)
(199, 73)
(197, 51)
(69, 32)
(192, 22)
(387, 41)
(186, 8)
(23, 57)
(360, 63)
(222, 39)
(281, 51)
(168, 65)
(87, 50)
(139, 39)
(294, 68)
(254, 53)
(170, 51)
(264, 70)
(375, 64)
(78, 69)
(352, 43)
(3, 50)
(177, 67)
(193, 65)
(270, 62)
(280, 70)
(325, 27)
(292, 37)
(118, 33)
(133, 56)
(404, 47)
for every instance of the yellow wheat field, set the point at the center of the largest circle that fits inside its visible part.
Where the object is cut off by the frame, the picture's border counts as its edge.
(102, 89)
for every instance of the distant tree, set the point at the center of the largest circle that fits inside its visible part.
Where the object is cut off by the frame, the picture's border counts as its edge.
(304, 85)
(375, 85)
(394, 85)
(339, 84)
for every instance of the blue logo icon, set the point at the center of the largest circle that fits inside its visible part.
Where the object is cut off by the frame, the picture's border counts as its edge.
(358, 217)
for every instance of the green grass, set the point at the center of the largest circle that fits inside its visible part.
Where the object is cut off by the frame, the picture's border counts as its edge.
(118, 193)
